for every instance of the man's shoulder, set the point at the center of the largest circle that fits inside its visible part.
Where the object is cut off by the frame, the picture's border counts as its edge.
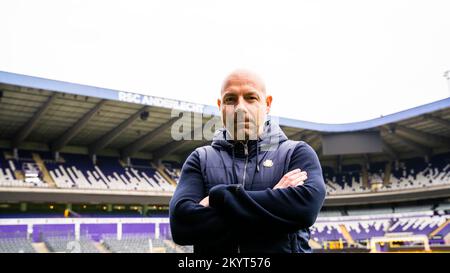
(304, 151)
(199, 152)
(296, 144)
(203, 148)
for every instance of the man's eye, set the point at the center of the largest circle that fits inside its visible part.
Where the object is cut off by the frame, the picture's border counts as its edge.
(228, 100)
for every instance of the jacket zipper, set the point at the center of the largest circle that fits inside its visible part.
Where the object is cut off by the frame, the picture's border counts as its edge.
(245, 165)
(243, 178)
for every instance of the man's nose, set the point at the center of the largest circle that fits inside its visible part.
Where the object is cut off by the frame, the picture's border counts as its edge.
(240, 106)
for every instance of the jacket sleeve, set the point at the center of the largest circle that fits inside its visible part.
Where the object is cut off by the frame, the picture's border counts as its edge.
(190, 222)
(283, 210)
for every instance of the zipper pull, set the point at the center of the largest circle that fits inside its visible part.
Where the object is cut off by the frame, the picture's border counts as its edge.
(245, 149)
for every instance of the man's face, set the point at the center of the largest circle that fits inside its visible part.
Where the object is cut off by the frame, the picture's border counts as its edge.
(244, 105)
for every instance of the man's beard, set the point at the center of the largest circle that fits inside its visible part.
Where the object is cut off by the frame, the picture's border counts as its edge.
(243, 127)
(243, 131)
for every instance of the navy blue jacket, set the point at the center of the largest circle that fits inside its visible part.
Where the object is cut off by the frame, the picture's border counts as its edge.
(246, 214)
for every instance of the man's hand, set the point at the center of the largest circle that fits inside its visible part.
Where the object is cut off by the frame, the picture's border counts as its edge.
(205, 201)
(292, 179)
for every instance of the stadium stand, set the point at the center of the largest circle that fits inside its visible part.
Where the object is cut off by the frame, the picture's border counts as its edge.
(20, 172)
(136, 235)
(16, 245)
(362, 228)
(173, 169)
(408, 174)
(137, 243)
(70, 244)
(78, 171)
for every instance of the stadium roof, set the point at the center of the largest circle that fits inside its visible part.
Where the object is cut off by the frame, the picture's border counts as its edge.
(37, 113)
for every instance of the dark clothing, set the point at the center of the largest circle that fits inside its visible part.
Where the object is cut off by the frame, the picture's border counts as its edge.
(246, 214)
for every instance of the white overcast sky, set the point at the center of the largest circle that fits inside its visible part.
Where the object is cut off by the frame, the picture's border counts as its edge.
(323, 60)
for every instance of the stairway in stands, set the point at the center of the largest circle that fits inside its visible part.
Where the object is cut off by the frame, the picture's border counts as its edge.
(46, 175)
(346, 235)
(439, 228)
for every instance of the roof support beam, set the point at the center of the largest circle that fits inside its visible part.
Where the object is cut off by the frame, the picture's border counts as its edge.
(316, 144)
(366, 160)
(338, 163)
(59, 143)
(28, 127)
(438, 120)
(175, 145)
(115, 132)
(426, 138)
(298, 135)
(310, 139)
(139, 144)
(423, 150)
(418, 147)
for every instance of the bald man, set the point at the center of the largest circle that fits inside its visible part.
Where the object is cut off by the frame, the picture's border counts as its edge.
(252, 190)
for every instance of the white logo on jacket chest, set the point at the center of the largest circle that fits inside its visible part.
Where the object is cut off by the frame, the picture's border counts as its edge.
(268, 163)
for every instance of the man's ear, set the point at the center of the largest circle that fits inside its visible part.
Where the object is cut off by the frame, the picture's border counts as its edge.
(268, 104)
(219, 103)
